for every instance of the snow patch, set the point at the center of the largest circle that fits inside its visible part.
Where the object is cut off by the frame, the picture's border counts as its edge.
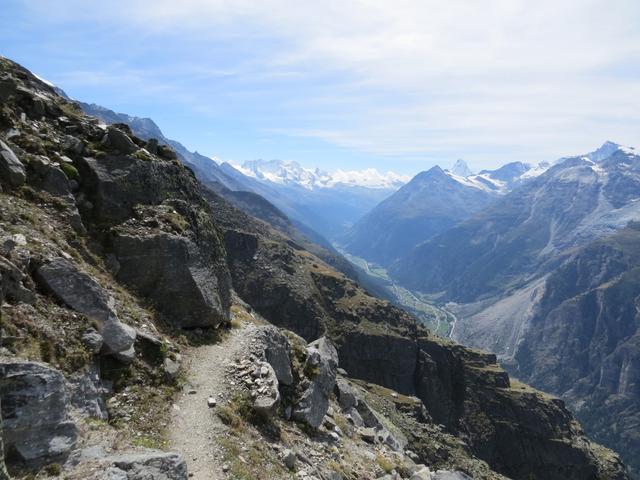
(44, 81)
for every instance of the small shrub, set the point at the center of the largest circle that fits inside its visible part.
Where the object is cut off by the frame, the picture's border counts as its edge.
(229, 417)
(384, 463)
(53, 470)
(146, 441)
(70, 171)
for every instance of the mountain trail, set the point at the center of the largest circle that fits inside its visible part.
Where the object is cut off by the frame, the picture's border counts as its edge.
(195, 428)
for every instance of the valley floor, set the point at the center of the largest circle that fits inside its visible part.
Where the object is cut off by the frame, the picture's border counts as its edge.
(435, 317)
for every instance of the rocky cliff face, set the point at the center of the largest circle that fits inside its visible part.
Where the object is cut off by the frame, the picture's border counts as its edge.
(114, 260)
(583, 340)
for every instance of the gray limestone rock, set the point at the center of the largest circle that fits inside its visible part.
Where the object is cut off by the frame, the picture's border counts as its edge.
(87, 393)
(267, 396)
(346, 395)
(119, 140)
(83, 294)
(35, 411)
(73, 144)
(275, 348)
(11, 169)
(170, 270)
(322, 363)
(150, 465)
(93, 341)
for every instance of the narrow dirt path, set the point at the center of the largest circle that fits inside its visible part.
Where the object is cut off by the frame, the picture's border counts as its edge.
(195, 428)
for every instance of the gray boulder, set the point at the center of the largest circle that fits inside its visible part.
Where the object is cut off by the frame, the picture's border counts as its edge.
(275, 349)
(72, 144)
(151, 465)
(119, 339)
(171, 369)
(289, 459)
(49, 177)
(35, 409)
(170, 270)
(11, 169)
(55, 182)
(83, 294)
(12, 283)
(75, 289)
(265, 389)
(321, 366)
(346, 395)
(118, 140)
(87, 393)
(93, 341)
(423, 473)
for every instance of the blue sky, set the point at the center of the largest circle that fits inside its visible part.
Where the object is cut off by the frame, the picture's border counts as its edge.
(399, 85)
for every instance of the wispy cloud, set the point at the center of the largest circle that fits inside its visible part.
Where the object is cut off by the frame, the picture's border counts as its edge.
(489, 80)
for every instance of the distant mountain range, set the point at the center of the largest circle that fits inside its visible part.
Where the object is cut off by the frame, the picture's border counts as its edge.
(525, 231)
(328, 204)
(291, 173)
(429, 204)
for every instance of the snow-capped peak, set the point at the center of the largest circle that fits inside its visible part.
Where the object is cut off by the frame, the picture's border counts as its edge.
(605, 151)
(461, 168)
(292, 173)
(501, 180)
(369, 178)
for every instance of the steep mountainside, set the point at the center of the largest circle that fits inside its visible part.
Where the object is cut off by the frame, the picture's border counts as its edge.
(528, 231)
(116, 264)
(574, 333)
(429, 204)
(583, 341)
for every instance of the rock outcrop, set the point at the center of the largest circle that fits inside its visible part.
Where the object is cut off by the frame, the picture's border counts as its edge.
(36, 412)
(320, 368)
(171, 270)
(11, 169)
(275, 348)
(162, 237)
(82, 293)
(148, 465)
(266, 394)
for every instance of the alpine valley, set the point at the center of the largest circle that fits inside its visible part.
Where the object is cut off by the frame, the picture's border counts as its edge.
(164, 316)
(536, 264)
